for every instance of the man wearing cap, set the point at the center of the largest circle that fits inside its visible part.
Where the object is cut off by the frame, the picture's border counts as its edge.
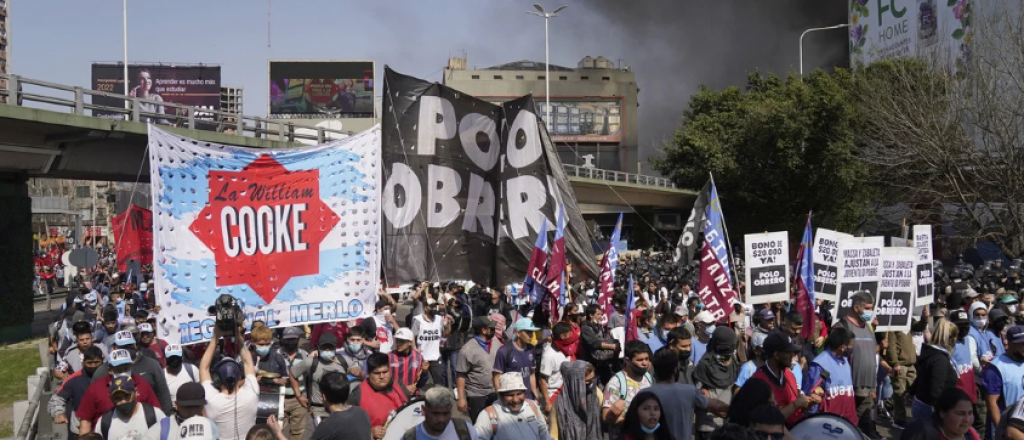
(148, 340)
(997, 322)
(1003, 378)
(129, 419)
(961, 355)
(145, 366)
(189, 421)
(96, 400)
(517, 356)
(178, 372)
(407, 364)
(71, 361)
(232, 401)
(292, 354)
(703, 328)
(476, 359)
(429, 328)
(778, 353)
(513, 416)
(311, 369)
(379, 394)
(71, 392)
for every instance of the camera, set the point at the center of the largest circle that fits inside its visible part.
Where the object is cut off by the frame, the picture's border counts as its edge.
(227, 312)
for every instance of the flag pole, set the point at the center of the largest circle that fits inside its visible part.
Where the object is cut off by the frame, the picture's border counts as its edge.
(728, 243)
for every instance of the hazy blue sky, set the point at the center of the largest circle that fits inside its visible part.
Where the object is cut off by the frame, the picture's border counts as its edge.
(673, 45)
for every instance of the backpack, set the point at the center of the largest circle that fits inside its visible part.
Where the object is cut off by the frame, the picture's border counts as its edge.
(622, 383)
(461, 430)
(165, 428)
(109, 416)
(309, 379)
(191, 375)
(493, 415)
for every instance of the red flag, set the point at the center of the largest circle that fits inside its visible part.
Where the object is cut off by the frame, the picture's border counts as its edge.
(714, 287)
(133, 231)
(804, 281)
(632, 317)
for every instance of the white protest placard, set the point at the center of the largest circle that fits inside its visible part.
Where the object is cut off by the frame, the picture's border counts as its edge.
(767, 267)
(826, 262)
(897, 288)
(860, 261)
(925, 261)
(900, 242)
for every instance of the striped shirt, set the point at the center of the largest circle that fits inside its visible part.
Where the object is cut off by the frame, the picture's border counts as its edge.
(406, 368)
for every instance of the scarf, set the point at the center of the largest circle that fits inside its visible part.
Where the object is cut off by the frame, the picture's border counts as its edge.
(579, 412)
(569, 345)
(712, 373)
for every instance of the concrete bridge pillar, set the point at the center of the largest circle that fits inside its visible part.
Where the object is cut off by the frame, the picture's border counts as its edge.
(16, 259)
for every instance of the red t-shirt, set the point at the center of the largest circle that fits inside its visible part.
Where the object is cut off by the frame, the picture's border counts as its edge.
(97, 398)
(785, 393)
(158, 347)
(340, 330)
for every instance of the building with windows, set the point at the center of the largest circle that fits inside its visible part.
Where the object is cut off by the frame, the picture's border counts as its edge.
(593, 117)
(231, 99)
(5, 41)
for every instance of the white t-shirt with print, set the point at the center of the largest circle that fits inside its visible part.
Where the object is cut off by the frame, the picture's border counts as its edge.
(385, 333)
(428, 336)
(233, 412)
(175, 382)
(550, 366)
(133, 428)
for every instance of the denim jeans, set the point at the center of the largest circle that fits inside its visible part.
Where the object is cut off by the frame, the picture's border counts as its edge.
(450, 361)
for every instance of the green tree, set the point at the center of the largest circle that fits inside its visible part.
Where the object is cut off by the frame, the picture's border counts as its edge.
(777, 149)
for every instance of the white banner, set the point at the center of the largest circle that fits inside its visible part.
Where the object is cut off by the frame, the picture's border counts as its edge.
(925, 261)
(894, 305)
(767, 267)
(860, 261)
(826, 263)
(292, 234)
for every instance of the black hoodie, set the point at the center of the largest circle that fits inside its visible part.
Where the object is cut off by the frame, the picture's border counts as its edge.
(935, 373)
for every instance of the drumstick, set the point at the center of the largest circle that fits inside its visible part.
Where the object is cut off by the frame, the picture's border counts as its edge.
(825, 375)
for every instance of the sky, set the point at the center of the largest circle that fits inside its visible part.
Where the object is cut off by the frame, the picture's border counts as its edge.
(673, 45)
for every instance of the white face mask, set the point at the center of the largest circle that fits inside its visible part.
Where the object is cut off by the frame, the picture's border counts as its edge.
(1012, 308)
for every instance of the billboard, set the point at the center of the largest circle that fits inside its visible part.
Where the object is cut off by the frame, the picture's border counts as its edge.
(318, 89)
(584, 121)
(193, 85)
(931, 29)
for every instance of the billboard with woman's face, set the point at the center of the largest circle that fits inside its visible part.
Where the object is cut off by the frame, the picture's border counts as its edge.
(319, 89)
(192, 85)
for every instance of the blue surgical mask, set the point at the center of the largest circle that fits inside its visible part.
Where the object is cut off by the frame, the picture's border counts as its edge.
(700, 306)
(355, 348)
(262, 350)
(327, 355)
(709, 329)
(867, 316)
(650, 430)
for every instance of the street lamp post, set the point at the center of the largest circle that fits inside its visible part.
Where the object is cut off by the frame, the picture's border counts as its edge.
(547, 56)
(838, 26)
(124, 18)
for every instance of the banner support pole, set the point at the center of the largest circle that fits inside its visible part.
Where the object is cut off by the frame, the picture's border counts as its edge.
(728, 243)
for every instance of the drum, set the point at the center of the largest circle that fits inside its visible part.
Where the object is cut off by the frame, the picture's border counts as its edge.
(270, 404)
(826, 427)
(408, 416)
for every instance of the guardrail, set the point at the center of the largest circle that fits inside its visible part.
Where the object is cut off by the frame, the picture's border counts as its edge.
(26, 413)
(617, 176)
(134, 109)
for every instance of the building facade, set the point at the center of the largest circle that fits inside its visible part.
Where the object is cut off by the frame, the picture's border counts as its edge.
(593, 117)
(5, 42)
(231, 99)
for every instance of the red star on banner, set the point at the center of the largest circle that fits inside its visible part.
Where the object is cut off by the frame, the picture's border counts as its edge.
(264, 225)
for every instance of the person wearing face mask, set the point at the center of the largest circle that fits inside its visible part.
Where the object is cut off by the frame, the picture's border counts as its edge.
(429, 328)
(703, 327)
(386, 324)
(962, 354)
(96, 400)
(559, 351)
(71, 392)
(1002, 379)
(148, 340)
(836, 390)
(129, 419)
(680, 341)
(178, 372)
(682, 399)
(476, 360)
(289, 350)
(659, 336)
(624, 386)
(863, 359)
(379, 395)
(748, 369)
(271, 367)
(355, 353)
(993, 334)
(645, 419)
(715, 374)
(189, 420)
(311, 369)
(779, 351)
(71, 361)
(576, 412)
(143, 365)
(513, 416)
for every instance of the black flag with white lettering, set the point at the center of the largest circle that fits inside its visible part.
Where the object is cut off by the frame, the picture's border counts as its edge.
(693, 229)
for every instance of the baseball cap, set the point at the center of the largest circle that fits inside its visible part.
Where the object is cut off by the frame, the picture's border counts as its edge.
(758, 339)
(1015, 335)
(172, 350)
(124, 337)
(971, 293)
(404, 334)
(525, 324)
(512, 381)
(959, 316)
(705, 317)
(117, 358)
(996, 314)
(91, 296)
(766, 313)
(130, 328)
(293, 333)
(482, 321)
(327, 338)
(122, 384)
(146, 327)
(680, 310)
(198, 428)
(777, 341)
(1009, 299)
(78, 300)
(143, 287)
(190, 394)
(430, 301)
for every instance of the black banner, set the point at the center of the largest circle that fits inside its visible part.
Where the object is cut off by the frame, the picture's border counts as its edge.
(694, 227)
(467, 185)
